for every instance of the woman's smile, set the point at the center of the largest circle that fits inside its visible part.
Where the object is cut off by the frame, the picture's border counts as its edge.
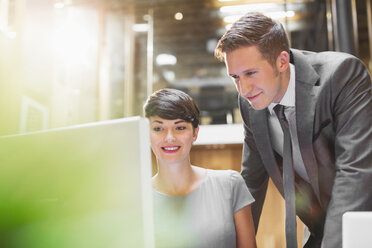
(171, 149)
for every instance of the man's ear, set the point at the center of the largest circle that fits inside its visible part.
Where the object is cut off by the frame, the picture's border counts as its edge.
(195, 135)
(282, 61)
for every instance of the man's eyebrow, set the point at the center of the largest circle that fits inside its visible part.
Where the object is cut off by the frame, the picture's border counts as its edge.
(177, 122)
(245, 71)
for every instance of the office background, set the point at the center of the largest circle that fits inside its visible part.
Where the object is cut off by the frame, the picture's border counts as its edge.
(67, 62)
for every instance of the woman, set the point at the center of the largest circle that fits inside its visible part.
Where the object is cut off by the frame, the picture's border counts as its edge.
(194, 207)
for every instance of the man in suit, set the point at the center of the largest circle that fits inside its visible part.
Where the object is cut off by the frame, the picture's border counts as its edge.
(319, 155)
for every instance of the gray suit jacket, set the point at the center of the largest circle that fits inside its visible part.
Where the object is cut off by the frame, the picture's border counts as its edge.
(334, 125)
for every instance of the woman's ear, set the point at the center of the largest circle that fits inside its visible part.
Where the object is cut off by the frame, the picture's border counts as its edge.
(195, 134)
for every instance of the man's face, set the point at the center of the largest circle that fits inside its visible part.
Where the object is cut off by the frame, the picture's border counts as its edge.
(255, 78)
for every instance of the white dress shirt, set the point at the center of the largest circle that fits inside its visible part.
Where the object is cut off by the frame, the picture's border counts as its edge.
(276, 131)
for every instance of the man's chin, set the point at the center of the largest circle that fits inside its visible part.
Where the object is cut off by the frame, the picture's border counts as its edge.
(256, 106)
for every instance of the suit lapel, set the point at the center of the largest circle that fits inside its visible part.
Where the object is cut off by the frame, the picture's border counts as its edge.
(259, 125)
(306, 96)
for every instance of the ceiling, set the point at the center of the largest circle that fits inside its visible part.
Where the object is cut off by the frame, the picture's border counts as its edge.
(192, 39)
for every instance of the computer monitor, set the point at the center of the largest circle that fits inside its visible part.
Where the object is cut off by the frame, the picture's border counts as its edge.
(356, 229)
(81, 186)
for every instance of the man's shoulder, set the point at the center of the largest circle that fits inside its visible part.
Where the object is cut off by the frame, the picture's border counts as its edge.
(324, 63)
(321, 58)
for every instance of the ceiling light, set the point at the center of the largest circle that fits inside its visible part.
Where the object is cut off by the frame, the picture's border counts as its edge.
(178, 16)
(273, 15)
(261, 7)
(232, 18)
(166, 59)
(280, 14)
(143, 27)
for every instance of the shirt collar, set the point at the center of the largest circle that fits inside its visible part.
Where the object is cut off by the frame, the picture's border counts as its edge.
(288, 99)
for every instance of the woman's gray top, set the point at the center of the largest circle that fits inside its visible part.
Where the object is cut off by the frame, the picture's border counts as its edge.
(203, 218)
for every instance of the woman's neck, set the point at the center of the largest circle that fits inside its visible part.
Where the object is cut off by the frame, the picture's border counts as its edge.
(178, 179)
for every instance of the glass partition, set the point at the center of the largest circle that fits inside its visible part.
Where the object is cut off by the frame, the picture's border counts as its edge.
(186, 33)
(89, 60)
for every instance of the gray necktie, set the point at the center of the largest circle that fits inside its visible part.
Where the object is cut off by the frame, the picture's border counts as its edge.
(288, 181)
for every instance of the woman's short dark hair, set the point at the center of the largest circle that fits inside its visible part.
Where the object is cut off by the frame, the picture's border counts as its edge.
(171, 104)
(254, 29)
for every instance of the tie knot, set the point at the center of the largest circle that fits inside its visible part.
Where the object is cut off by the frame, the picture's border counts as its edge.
(279, 111)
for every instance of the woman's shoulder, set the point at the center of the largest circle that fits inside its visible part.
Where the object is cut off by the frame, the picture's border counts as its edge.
(224, 176)
(223, 173)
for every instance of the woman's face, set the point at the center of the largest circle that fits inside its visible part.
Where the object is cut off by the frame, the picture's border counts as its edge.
(171, 140)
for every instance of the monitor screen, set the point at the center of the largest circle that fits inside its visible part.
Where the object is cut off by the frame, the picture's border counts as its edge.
(81, 186)
(356, 229)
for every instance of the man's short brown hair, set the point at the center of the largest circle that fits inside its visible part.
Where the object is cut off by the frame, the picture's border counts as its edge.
(254, 29)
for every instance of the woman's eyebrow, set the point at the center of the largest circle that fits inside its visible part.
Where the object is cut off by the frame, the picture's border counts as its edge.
(156, 121)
